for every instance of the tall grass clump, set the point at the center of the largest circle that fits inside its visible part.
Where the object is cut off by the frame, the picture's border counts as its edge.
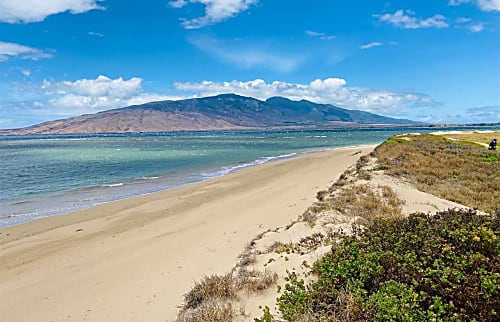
(459, 171)
(443, 267)
(210, 299)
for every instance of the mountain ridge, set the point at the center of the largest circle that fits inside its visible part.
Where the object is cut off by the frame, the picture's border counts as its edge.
(220, 112)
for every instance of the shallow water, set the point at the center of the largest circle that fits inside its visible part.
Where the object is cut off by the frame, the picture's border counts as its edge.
(42, 176)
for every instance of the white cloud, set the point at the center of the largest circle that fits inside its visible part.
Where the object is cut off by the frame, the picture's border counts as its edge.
(484, 5)
(407, 20)
(26, 11)
(475, 27)
(215, 11)
(248, 55)
(96, 34)
(320, 35)
(101, 86)
(93, 95)
(10, 50)
(466, 23)
(328, 91)
(371, 45)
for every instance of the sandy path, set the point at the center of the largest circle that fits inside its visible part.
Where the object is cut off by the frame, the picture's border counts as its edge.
(132, 260)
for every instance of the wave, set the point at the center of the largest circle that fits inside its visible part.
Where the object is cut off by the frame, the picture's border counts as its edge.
(149, 178)
(113, 185)
(228, 169)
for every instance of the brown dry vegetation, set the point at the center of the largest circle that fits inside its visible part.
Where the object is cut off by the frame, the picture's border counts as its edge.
(356, 200)
(460, 171)
(210, 299)
(479, 137)
(213, 311)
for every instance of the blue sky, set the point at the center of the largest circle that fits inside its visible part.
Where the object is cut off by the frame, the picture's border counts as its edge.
(429, 60)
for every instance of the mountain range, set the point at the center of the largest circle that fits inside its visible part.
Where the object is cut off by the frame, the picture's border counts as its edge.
(221, 112)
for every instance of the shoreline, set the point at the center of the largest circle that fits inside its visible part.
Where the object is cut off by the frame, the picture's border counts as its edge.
(135, 258)
(129, 192)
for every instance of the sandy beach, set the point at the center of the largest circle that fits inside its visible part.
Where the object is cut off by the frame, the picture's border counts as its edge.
(133, 259)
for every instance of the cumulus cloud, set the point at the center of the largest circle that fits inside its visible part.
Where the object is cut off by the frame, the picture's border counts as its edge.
(26, 11)
(371, 45)
(10, 50)
(406, 19)
(320, 35)
(92, 95)
(215, 11)
(484, 5)
(247, 55)
(328, 91)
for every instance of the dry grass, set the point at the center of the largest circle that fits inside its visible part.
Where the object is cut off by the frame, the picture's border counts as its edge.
(478, 137)
(367, 202)
(358, 200)
(355, 200)
(255, 281)
(210, 299)
(304, 245)
(213, 311)
(211, 288)
(281, 247)
(454, 170)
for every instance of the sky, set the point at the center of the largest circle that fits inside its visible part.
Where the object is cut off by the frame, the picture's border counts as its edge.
(435, 61)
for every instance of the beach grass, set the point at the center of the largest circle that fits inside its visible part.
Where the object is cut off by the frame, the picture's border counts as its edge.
(441, 266)
(483, 137)
(456, 170)
(211, 298)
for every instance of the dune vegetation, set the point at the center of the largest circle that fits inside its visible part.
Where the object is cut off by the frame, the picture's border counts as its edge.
(458, 170)
(423, 267)
(389, 266)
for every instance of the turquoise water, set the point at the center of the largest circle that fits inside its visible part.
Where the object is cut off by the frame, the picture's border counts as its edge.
(42, 176)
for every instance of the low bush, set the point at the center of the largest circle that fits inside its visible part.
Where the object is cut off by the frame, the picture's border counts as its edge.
(421, 268)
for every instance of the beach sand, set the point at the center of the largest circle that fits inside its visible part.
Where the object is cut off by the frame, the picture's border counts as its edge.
(132, 260)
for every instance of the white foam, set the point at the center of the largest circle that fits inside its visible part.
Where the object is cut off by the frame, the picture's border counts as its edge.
(113, 185)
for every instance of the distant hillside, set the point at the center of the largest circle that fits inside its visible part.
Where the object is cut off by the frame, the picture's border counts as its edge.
(222, 112)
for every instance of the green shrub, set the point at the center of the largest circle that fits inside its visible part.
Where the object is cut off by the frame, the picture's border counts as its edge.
(424, 267)
(266, 316)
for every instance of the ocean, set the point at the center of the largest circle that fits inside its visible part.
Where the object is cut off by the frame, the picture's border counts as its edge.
(48, 175)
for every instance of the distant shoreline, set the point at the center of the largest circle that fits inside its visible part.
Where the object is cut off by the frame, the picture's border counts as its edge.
(7, 132)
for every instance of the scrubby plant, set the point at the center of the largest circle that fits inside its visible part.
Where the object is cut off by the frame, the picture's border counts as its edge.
(210, 299)
(212, 311)
(367, 202)
(459, 171)
(266, 316)
(421, 268)
(210, 288)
